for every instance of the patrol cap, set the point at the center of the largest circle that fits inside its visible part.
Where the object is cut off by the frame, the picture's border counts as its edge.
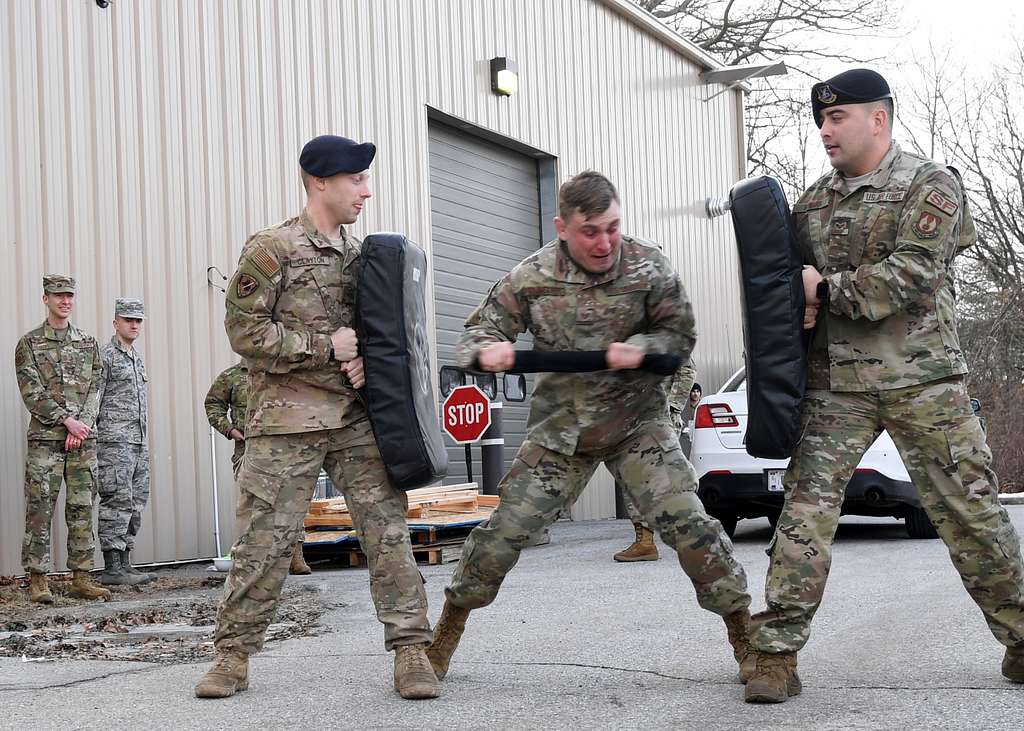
(54, 283)
(129, 307)
(329, 155)
(856, 86)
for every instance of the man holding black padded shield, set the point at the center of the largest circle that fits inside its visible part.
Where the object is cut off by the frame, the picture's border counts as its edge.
(592, 289)
(290, 315)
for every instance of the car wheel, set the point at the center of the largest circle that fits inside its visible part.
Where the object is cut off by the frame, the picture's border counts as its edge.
(728, 523)
(918, 524)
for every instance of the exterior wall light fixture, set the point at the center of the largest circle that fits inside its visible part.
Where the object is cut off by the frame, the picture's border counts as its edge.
(504, 76)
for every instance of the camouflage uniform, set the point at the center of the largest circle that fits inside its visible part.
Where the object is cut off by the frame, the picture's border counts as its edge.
(292, 290)
(122, 432)
(678, 399)
(579, 420)
(886, 356)
(57, 375)
(225, 404)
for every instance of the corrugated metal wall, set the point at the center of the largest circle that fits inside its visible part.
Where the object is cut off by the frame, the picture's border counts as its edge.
(139, 145)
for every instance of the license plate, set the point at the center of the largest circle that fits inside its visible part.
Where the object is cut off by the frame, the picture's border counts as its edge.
(775, 480)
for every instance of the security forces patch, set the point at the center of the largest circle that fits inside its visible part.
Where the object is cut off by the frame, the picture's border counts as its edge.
(247, 284)
(927, 225)
(941, 202)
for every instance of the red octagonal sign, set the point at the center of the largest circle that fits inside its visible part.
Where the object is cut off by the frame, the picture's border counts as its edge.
(466, 414)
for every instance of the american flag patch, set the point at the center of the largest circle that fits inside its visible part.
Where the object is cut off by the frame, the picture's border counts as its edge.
(265, 262)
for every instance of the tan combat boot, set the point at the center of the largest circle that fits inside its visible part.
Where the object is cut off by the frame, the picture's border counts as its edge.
(643, 548)
(1013, 664)
(299, 565)
(229, 675)
(447, 634)
(774, 680)
(39, 589)
(414, 678)
(82, 587)
(738, 626)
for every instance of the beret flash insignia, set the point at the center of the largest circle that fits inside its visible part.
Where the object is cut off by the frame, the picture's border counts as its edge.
(826, 95)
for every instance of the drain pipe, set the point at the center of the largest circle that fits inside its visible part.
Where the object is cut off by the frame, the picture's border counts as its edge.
(216, 496)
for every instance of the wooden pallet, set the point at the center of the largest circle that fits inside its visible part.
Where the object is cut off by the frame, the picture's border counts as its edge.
(431, 555)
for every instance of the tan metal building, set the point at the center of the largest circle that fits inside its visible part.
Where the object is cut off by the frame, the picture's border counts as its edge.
(141, 144)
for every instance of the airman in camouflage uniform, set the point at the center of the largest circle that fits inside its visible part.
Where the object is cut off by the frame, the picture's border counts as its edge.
(592, 289)
(123, 441)
(290, 313)
(226, 404)
(883, 231)
(58, 367)
(643, 548)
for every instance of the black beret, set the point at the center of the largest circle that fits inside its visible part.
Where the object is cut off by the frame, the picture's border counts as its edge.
(856, 86)
(329, 155)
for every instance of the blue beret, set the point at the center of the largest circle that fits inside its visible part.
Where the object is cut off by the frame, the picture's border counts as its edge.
(329, 155)
(856, 86)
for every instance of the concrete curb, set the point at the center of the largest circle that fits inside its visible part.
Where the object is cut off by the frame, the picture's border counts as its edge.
(1011, 498)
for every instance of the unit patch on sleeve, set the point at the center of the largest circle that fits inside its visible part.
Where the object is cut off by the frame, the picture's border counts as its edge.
(927, 225)
(941, 202)
(884, 196)
(247, 284)
(265, 262)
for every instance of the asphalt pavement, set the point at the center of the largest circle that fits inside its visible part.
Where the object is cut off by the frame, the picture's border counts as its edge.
(578, 641)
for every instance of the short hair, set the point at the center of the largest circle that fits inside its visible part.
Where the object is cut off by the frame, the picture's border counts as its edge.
(889, 108)
(306, 178)
(589, 192)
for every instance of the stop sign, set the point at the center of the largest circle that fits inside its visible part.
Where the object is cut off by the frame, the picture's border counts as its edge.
(466, 414)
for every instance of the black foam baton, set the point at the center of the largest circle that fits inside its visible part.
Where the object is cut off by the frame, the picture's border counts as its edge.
(584, 361)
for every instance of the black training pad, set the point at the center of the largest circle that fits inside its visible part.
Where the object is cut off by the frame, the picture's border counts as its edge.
(553, 361)
(773, 311)
(391, 324)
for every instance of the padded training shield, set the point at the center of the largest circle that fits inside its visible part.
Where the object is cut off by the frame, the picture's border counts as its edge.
(391, 322)
(773, 308)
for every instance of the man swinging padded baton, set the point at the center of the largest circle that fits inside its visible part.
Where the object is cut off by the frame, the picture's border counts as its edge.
(591, 290)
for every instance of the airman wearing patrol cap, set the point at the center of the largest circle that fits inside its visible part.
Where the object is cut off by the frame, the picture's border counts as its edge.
(123, 437)
(878, 237)
(58, 368)
(290, 313)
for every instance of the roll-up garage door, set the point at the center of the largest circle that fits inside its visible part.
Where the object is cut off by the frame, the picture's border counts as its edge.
(485, 218)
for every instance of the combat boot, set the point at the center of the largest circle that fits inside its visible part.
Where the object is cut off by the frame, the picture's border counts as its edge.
(642, 549)
(447, 634)
(774, 679)
(39, 589)
(126, 564)
(414, 678)
(82, 587)
(1013, 664)
(229, 675)
(737, 625)
(299, 566)
(114, 573)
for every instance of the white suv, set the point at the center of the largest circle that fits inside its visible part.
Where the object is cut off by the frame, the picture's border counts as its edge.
(734, 485)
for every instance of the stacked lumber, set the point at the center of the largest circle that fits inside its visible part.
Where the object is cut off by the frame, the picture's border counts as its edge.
(439, 518)
(426, 503)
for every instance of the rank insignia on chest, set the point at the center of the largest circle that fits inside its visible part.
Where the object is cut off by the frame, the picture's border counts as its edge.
(840, 226)
(247, 284)
(927, 225)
